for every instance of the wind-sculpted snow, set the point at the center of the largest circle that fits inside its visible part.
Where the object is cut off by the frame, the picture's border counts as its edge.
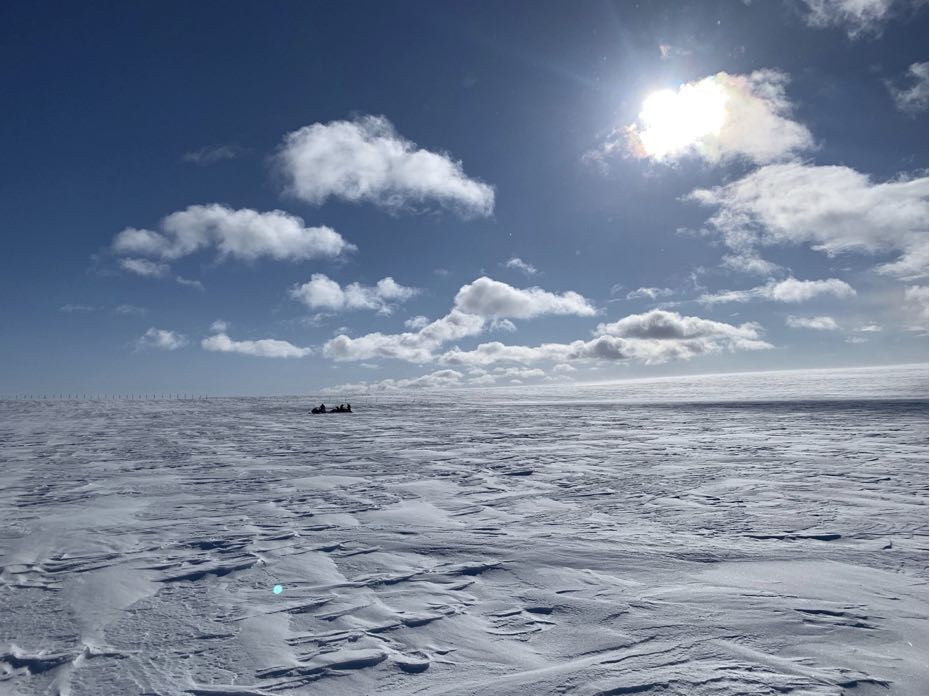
(493, 542)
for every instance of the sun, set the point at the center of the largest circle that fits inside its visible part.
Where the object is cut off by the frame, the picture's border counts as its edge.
(673, 121)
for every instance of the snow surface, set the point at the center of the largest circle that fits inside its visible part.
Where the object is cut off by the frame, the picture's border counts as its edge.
(743, 534)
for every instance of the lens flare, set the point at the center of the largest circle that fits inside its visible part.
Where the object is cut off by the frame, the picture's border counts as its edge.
(672, 121)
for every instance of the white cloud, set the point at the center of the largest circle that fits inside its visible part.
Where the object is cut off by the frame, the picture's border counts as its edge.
(749, 262)
(433, 380)
(417, 322)
(662, 325)
(649, 293)
(161, 339)
(917, 304)
(219, 326)
(493, 299)
(77, 308)
(128, 309)
(367, 160)
(912, 98)
(717, 118)
(857, 17)
(869, 328)
(834, 209)
(503, 325)
(476, 304)
(815, 323)
(243, 234)
(323, 293)
(651, 338)
(154, 269)
(416, 347)
(519, 264)
(144, 267)
(788, 290)
(190, 283)
(212, 154)
(264, 348)
(519, 372)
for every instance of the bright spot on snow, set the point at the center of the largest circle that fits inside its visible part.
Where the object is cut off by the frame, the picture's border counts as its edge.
(277, 589)
(672, 121)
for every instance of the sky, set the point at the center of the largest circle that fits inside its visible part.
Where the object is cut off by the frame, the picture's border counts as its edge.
(290, 197)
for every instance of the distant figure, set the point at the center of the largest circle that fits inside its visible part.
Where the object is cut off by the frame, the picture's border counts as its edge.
(322, 408)
(349, 408)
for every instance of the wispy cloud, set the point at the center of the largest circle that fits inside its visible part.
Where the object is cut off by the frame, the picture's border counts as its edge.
(212, 154)
(749, 262)
(519, 264)
(790, 290)
(649, 293)
(144, 267)
(912, 96)
(822, 323)
(161, 339)
(833, 209)
(77, 308)
(130, 310)
(858, 18)
(366, 160)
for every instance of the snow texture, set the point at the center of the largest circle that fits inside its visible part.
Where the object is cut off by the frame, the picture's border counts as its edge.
(755, 534)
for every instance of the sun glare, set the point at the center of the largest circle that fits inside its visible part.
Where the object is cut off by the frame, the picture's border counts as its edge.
(673, 121)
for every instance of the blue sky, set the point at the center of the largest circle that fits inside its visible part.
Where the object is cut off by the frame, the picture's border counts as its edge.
(249, 198)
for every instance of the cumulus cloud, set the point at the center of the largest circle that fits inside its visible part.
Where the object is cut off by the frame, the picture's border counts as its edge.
(417, 322)
(520, 265)
(649, 293)
(833, 209)
(912, 97)
(717, 118)
(219, 326)
(366, 160)
(161, 339)
(264, 348)
(438, 379)
(415, 346)
(493, 299)
(477, 305)
(858, 18)
(651, 338)
(816, 323)
(212, 154)
(242, 234)
(323, 293)
(789, 290)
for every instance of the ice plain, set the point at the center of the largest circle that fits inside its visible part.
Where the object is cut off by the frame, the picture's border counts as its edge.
(744, 534)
